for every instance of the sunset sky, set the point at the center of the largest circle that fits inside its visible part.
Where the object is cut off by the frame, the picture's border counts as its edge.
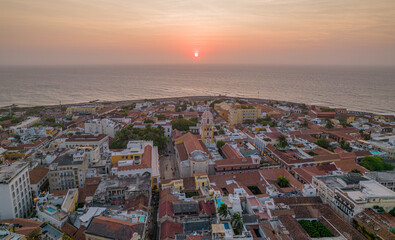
(356, 32)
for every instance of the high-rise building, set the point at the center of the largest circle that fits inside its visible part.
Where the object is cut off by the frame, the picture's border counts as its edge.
(16, 196)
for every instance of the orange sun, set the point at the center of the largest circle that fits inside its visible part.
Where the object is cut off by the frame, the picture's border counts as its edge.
(196, 54)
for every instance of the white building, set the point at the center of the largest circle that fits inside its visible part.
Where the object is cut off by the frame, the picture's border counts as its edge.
(102, 126)
(25, 124)
(15, 193)
(75, 141)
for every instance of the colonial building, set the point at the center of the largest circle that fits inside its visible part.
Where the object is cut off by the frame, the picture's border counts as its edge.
(192, 155)
(68, 171)
(140, 157)
(207, 127)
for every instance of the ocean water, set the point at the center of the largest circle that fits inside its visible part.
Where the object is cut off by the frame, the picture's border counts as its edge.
(370, 89)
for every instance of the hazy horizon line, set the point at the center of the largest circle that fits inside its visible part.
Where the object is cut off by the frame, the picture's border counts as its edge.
(196, 64)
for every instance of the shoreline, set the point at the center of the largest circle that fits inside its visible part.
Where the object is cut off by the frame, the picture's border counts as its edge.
(261, 100)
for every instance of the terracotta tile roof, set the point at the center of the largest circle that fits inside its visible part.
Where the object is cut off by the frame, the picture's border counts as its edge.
(169, 229)
(347, 156)
(37, 174)
(362, 153)
(207, 207)
(271, 176)
(69, 229)
(295, 229)
(166, 209)
(307, 173)
(113, 228)
(349, 165)
(230, 152)
(26, 225)
(86, 138)
(80, 234)
(136, 203)
(182, 152)
(235, 163)
(59, 192)
(191, 142)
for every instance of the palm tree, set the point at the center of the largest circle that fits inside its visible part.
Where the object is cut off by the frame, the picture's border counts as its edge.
(283, 181)
(223, 211)
(282, 141)
(237, 223)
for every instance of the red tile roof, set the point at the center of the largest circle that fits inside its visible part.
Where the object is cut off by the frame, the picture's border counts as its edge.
(37, 174)
(230, 152)
(170, 229)
(271, 176)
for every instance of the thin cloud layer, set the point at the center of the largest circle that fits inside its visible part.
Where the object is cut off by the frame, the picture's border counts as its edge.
(222, 31)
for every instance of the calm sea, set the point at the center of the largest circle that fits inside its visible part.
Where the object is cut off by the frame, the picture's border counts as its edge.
(369, 89)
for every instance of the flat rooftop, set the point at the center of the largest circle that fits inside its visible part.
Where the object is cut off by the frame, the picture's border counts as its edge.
(8, 172)
(335, 181)
(386, 176)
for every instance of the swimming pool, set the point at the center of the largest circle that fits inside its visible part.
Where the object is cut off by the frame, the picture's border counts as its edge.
(219, 202)
(142, 217)
(51, 210)
(226, 225)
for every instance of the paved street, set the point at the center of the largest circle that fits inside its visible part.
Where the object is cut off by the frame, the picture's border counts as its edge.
(168, 168)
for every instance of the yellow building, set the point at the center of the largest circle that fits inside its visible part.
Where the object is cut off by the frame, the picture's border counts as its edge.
(174, 184)
(134, 153)
(85, 109)
(223, 109)
(238, 115)
(207, 127)
(350, 120)
(201, 180)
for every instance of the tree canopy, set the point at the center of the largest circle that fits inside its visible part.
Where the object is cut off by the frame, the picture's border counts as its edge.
(183, 124)
(282, 141)
(323, 142)
(283, 181)
(129, 133)
(375, 163)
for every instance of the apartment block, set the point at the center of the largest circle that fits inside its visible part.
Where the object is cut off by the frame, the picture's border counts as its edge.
(68, 171)
(15, 197)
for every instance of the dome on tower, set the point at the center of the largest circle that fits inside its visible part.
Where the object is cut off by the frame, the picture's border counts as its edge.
(207, 117)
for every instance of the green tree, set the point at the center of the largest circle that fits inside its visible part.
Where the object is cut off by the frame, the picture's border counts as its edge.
(237, 223)
(223, 211)
(160, 116)
(182, 124)
(57, 125)
(248, 121)
(282, 141)
(392, 212)
(147, 120)
(375, 163)
(305, 123)
(149, 133)
(283, 181)
(34, 235)
(323, 142)
(329, 124)
(220, 144)
(355, 171)
(345, 145)
(51, 120)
